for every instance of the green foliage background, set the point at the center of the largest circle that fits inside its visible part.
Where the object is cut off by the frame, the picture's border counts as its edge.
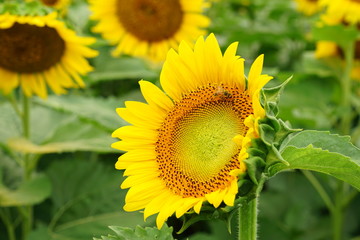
(76, 191)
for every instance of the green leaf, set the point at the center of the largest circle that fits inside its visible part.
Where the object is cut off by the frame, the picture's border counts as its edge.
(273, 94)
(255, 167)
(73, 135)
(30, 192)
(64, 132)
(340, 34)
(86, 199)
(139, 233)
(98, 111)
(109, 68)
(322, 152)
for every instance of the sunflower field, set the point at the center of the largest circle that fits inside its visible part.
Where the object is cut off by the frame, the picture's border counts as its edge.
(179, 119)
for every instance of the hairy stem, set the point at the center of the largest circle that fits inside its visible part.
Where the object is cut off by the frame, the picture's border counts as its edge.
(27, 210)
(338, 212)
(248, 220)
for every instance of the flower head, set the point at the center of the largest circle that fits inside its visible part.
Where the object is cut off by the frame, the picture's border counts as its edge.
(329, 49)
(308, 7)
(148, 28)
(40, 50)
(56, 3)
(342, 10)
(186, 146)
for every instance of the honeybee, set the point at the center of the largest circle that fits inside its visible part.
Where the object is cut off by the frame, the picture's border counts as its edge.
(221, 93)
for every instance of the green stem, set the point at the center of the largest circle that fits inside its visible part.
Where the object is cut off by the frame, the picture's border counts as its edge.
(8, 224)
(28, 210)
(248, 220)
(345, 122)
(14, 104)
(337, 213)
(26, 117)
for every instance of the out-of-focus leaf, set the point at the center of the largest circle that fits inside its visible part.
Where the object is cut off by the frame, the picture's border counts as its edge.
(340, 34)
(11, 172)
(30, 192)
(111, 68)
(322, 152)
(87, 199)
(290, 208)
(99, 111)
(75, 135)
(139, 233)
(64, 132)
(315, 109)
(100, 143)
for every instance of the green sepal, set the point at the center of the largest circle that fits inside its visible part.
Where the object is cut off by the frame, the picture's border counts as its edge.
(139, 233)
(255, 166)
(256, 152)
(267, 133)
(269, 97)
(274, 157)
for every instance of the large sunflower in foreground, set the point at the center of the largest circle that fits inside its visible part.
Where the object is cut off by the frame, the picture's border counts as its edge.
(187, 144)
(40, 50)
(148, 28)
(308, 7)
(346, 10)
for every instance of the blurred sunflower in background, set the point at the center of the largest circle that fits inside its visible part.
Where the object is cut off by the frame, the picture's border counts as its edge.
(37, 51)
(148, 28)
(308, 7)
(342, 10)
(187, 145)
(328, 49)
(58, 4)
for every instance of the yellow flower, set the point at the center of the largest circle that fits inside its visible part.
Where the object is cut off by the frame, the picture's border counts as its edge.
(308, 7)
(39, 50)
(344, 10)
(148, 28)
(326, 49)
(186, 144)
(58, 4)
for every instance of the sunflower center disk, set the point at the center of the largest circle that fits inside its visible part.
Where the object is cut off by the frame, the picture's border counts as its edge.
(150, 20)
(195, 147)
(50, 2)
(203, 144)
(27, 48)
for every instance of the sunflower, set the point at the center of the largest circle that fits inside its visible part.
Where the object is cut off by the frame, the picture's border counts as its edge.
(326, 49)
(148, 28)
(345, 10)
(187, 144)
(308, 7)
(56, 3)
(40, 50)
